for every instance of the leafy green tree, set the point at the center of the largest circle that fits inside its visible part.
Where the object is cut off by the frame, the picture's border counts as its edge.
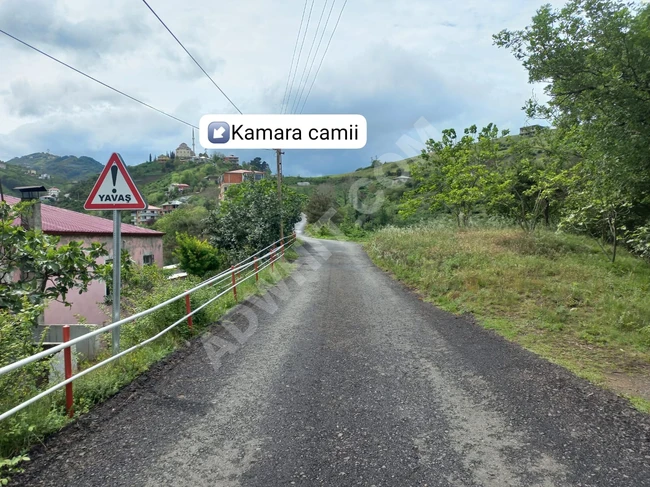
(197, 257)
(249, 217)
(593, 57)
(539, 172)
(458, 175)
(186, 219)
(597, 206)
(258, 164)
(47, 270)
(320, 202)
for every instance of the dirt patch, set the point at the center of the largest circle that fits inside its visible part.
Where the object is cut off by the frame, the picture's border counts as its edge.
(625, 383)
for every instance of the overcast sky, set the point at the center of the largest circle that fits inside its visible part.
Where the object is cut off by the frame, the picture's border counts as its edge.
(393, 61)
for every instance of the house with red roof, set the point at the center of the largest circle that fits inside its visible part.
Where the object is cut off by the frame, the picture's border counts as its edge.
(144, 246)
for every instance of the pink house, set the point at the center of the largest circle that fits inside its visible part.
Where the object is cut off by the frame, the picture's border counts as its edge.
(144, 245)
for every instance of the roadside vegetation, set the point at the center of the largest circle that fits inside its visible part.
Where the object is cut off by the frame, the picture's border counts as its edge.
(552, 293)
(545, 237)
(249, 220)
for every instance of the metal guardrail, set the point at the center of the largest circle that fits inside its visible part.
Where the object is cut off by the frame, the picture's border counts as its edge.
(267, 259)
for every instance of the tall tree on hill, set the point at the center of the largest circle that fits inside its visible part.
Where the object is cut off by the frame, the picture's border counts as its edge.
(593, 57)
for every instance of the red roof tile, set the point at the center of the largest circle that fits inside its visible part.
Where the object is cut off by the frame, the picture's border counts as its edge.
(59, 221)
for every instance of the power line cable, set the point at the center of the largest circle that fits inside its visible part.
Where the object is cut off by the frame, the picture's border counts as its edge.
(304, 36)
(190, 55)
(313, 61)
(293, 57)
(97, 81)
(302, 81)
(324, 54)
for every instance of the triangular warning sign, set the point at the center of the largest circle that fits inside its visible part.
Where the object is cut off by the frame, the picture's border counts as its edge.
(114, 189)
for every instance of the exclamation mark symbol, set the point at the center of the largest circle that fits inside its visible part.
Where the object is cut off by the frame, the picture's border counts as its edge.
(114, 174)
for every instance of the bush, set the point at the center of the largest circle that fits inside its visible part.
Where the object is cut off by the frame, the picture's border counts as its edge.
(197, 257)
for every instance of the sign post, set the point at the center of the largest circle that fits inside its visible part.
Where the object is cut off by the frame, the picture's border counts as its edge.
(117, 280)
(116, 192)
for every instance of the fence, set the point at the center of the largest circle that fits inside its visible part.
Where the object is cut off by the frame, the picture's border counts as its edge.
(254, 264)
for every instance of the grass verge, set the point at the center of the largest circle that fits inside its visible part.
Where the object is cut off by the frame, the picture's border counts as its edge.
(32, 424)
(330, 232)
(556, 295)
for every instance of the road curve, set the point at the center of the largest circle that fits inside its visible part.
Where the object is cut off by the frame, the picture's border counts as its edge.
(342, 376)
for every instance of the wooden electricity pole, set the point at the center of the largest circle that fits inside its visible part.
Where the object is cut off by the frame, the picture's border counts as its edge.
(279, 153)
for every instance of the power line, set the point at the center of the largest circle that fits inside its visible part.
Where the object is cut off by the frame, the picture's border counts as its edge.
(304, 36)
(96, 80)
(313, 61)
(190, 55)
(293, 57)
(311, 48)
(324, 54)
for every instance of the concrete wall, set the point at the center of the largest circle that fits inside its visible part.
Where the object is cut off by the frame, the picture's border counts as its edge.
(88, 304)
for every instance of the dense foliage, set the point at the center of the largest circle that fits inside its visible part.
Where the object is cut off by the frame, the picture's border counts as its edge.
(197, 257)
(249, 218)
(47, 270)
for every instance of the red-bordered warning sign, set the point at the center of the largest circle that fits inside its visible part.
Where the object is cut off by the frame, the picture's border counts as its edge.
(114, 189)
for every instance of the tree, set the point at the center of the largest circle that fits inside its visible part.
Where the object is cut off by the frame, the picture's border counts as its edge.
(47, 271)
(258, 164)
(320, 202)
(186, 219)
(150, 158)
(249, 217)
(538, 171)
(458, 175)
(197, 257)
(593, 57)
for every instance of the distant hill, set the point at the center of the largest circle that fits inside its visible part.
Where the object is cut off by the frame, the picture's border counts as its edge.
(63, 167)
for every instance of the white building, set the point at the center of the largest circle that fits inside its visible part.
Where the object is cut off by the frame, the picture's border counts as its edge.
(184, 152)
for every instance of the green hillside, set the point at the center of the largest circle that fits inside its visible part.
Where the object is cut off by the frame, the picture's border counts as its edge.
(13, 176)
(64, 167)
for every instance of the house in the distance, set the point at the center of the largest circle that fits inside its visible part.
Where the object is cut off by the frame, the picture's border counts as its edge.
(237, 177)
(162, 158)
(54, 192)
(179, 186)
(231, 160)
(144, 246)
(170, 206)
(183, 152)
(148, 216)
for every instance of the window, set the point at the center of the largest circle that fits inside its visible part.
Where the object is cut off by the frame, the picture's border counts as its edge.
(147, 259)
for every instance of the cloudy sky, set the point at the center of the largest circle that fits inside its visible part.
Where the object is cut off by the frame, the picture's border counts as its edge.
(396, 62)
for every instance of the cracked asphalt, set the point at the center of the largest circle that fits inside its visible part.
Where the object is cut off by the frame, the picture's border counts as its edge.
(342, 376)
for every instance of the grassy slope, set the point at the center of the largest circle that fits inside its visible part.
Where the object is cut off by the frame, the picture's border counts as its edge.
(556, 295)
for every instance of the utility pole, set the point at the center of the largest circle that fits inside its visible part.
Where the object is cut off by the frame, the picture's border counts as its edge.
(193, 148)
(279, 153)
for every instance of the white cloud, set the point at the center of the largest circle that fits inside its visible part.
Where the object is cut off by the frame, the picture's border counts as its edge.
(390, 60)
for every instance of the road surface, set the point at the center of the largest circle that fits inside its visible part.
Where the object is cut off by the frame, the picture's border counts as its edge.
(343, 377)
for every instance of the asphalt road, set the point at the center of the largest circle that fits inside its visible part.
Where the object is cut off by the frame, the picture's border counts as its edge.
(342, 376)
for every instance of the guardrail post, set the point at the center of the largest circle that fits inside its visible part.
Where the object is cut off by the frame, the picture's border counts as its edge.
(283, 249)
(257, 277)
(67, 367)
(272, 257)
(234, 282)
(188, 310)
